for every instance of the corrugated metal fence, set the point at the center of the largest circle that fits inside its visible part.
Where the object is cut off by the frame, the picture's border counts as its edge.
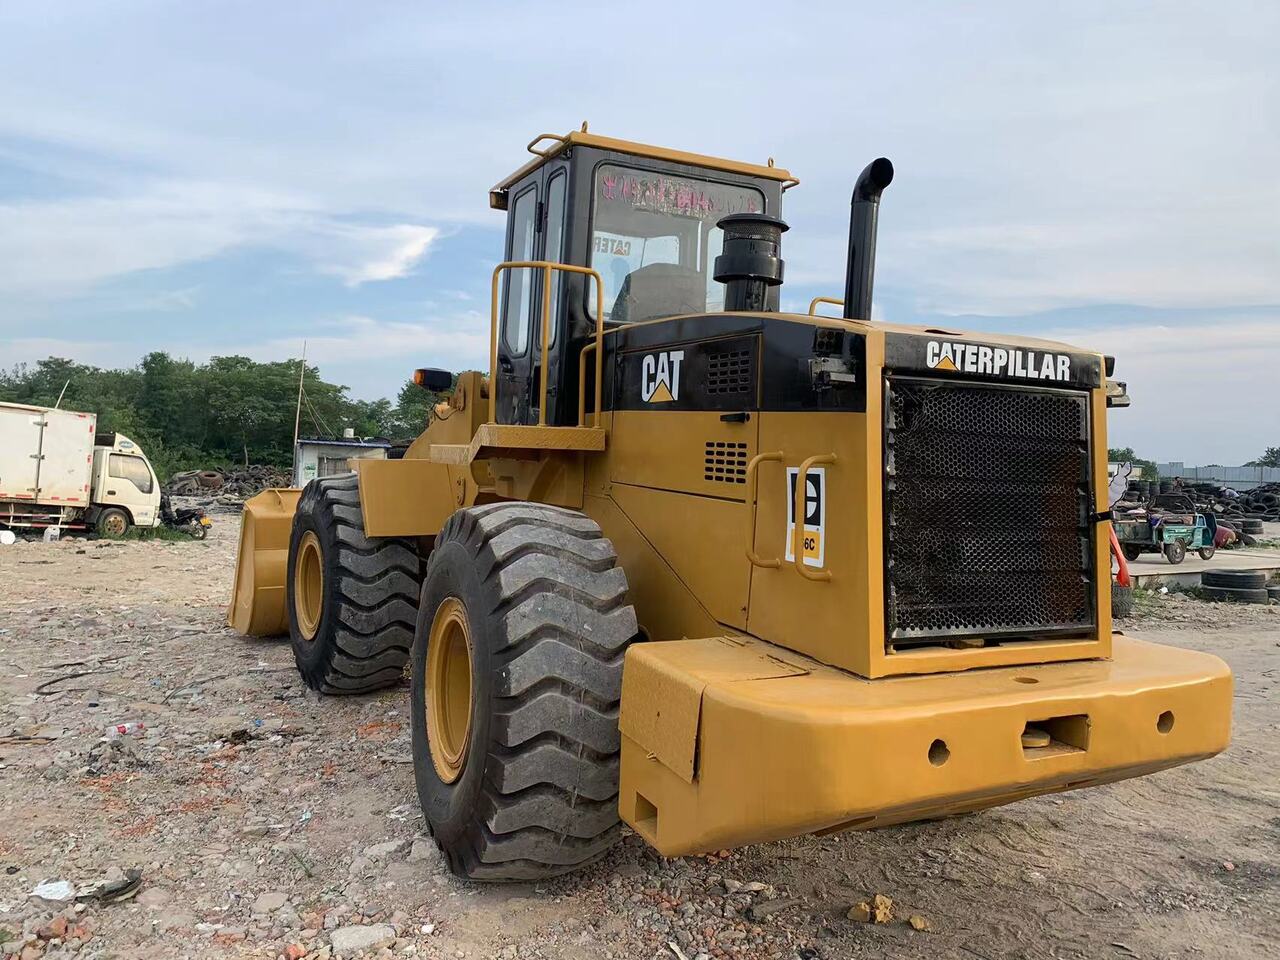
(1242, 478)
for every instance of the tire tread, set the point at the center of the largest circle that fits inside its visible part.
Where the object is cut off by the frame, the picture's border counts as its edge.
(559, 604)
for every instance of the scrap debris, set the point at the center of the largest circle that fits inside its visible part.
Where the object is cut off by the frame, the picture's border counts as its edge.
(878, 910)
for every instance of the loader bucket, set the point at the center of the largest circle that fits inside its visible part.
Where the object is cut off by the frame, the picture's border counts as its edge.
(258, 606)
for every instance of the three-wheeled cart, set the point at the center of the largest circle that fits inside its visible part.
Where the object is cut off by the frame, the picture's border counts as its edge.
(1171, 535)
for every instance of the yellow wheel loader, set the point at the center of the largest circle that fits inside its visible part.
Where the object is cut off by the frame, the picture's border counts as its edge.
(723, 573)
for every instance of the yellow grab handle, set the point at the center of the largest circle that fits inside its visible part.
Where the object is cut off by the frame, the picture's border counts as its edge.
(813, 304)
(752, 483)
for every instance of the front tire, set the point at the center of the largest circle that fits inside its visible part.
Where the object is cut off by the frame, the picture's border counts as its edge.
(352, 600)
(113, 522)
(517, 767)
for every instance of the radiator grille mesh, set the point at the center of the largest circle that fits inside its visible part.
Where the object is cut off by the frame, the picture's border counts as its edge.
(987, 511)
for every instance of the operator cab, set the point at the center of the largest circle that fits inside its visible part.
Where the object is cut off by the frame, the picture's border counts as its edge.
(643, 217)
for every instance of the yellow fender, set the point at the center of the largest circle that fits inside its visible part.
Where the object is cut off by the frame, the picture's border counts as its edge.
(258, 606)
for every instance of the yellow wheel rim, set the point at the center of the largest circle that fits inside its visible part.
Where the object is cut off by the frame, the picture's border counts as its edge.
(448, 689)
(308, 586)
(115, 525)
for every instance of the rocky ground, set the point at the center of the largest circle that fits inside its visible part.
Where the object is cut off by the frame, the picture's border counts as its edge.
(248, 817)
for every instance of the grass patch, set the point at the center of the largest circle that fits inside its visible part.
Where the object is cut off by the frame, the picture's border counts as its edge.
(1145, 601)
(155, 533)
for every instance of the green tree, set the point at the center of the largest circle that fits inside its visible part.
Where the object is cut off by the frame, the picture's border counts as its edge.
(1126, 455)
(1271, 458)
(229, 410)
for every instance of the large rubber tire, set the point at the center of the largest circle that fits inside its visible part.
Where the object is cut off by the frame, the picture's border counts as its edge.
(368, 594)
(1132, 551)
(1121, 601)
(1206, 553)
(546, 608)
(113, 522)
(1235, 579)
(1175, 552)
(1239, 594)
(1252, 526)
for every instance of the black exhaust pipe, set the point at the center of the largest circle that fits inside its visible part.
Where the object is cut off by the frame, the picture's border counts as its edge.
(750, 265)
(861, 270)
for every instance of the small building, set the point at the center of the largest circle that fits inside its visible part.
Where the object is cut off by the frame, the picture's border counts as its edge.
(326, 456)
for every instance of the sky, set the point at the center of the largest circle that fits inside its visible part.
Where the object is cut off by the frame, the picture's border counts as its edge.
(223, 178)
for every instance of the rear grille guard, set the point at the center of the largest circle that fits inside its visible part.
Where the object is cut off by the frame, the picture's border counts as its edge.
(988, 526)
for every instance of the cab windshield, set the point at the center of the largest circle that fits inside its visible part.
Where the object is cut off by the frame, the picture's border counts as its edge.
(654, 241)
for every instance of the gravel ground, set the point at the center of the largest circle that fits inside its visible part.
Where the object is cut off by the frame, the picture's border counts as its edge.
(252, 818)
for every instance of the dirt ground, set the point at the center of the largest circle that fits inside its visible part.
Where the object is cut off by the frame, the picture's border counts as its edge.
(268, 822)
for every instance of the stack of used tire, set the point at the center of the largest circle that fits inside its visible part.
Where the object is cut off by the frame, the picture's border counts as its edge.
(1262, 502)
(1121, 601)
(1242, 586)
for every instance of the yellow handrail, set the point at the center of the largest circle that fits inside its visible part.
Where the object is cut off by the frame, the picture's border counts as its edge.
(752, 486)
(546, 266)
(797, 541)
(558, 137)
(813, 304)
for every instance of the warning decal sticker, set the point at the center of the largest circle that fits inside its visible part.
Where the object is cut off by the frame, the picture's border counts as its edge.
(813, 541)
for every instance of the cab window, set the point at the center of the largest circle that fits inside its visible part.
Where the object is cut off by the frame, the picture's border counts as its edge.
(134, 469)
(515, 313)
(654, 240)
(554, 247)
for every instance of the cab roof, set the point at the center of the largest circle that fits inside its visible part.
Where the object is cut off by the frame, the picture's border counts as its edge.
(561, 142)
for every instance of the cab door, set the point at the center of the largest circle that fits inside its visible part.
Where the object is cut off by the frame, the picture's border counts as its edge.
(129, 482)
(519, 292)
(535, 231)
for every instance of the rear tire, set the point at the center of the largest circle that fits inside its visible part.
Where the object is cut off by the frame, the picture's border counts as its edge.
(1175, 552)
(530, 790)
(1132, 552)
(353, 604)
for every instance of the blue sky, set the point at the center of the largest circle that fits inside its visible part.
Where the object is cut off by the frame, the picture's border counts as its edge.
(236, 177)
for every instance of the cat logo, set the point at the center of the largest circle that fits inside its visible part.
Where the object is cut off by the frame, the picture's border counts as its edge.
(815, 515)
(660, 377)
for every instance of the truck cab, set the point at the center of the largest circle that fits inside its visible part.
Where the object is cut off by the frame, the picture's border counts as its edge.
(124, 480)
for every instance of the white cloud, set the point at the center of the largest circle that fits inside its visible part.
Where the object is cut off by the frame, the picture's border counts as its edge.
(59, 247)
(366, 254)
(54, 249)
(349, 341)
(1201, 394)
(374, 357)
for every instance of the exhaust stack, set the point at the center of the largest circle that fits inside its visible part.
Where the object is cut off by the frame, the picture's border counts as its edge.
(863, 217)
(750, 264)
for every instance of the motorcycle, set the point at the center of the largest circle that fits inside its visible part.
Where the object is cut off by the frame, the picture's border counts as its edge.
(190, 520)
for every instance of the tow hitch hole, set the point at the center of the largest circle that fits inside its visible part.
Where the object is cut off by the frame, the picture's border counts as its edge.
(1026, 680)
(646, 816)
(938, 753)
(1055, 736)
(1164, 722)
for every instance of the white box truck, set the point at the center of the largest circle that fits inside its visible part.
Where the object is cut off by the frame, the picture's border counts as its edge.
(57, 471)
